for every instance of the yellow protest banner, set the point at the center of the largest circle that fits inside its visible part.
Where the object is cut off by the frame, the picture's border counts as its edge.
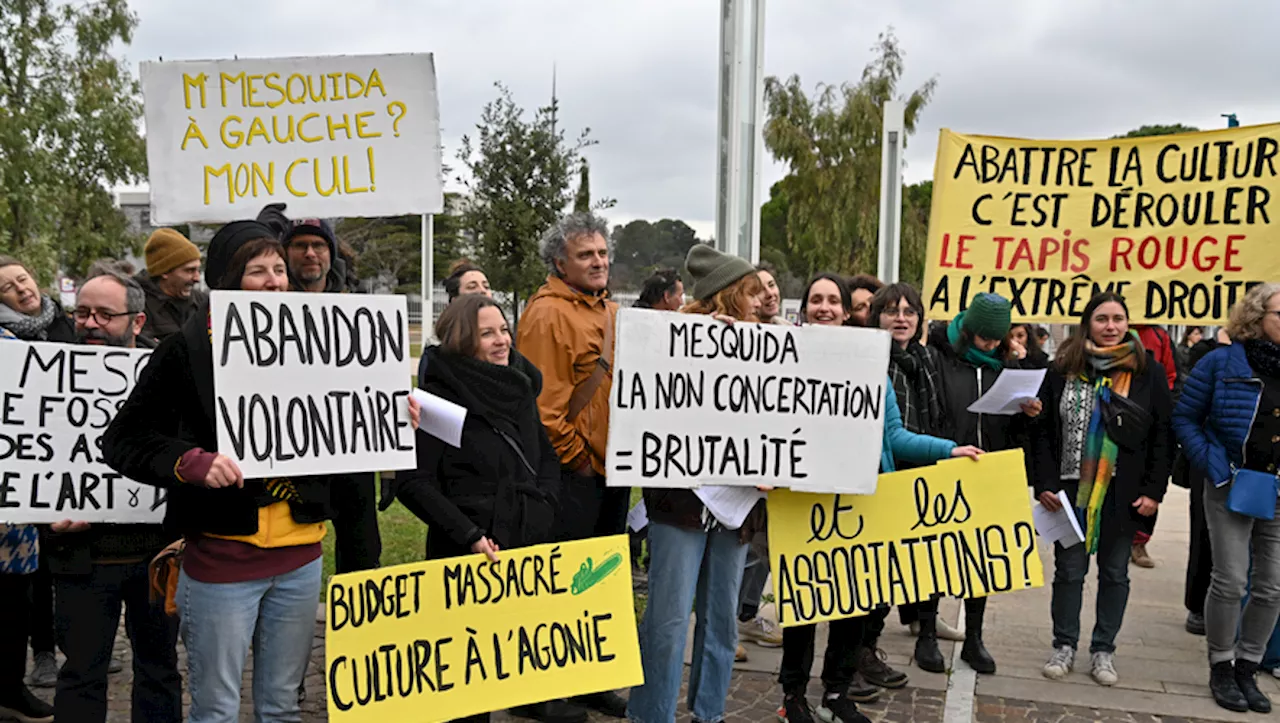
(438, 640)
(1178, 224)
(959, 528)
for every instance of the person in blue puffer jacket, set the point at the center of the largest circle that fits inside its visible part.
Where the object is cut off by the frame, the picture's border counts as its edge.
(1228, 419)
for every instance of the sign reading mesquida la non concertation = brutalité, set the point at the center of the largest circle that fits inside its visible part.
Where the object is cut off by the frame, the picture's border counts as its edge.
(697, 401)
(58, 401)
(1180, 225)
(331, 136)
(445, 639)
(958, 528)
(309, 384)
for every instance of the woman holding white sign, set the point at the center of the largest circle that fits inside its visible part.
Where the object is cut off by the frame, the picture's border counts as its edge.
(690, 551)
(1104, 441)
(251, 566)
(497, 491)
(828, 302)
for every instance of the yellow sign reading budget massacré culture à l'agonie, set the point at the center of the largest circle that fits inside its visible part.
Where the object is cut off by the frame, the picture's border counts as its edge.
(1180, 225)
(444, 639)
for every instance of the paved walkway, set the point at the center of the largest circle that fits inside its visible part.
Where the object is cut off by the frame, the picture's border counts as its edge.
(1162, 668)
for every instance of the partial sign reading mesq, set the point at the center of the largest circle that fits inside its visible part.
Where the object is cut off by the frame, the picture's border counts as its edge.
(59, 400)
(445, 639)
(331, 136)
(312, 383)
(698, 401)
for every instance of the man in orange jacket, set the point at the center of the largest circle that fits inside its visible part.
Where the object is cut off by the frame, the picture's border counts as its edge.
(567, 332)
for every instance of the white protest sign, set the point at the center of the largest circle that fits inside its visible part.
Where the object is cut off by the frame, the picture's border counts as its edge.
(332, 136)
(59, 400)
(310, 384)
(696, 401)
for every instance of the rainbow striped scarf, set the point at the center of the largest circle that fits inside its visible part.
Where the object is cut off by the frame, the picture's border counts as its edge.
(1112, 372)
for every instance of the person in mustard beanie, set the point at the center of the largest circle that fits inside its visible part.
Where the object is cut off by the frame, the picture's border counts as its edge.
(169, 281)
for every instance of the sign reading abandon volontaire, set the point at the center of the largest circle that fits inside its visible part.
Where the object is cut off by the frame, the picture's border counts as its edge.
(312, 383)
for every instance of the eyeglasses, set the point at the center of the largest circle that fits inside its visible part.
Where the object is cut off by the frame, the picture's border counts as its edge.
(98, 315)
(907, 313)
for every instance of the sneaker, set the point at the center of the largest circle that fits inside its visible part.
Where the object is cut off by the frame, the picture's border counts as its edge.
(872, 665)
(44, 674)
(1195, 624)
(1138, 556)
(795, 709)
(552, 711)
(1103, 667)
(1060, 663)
(740, 655)
(761, 632)
(837, 708)
(26, 708)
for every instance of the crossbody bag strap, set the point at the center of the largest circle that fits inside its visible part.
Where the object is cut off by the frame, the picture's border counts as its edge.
(604, 367)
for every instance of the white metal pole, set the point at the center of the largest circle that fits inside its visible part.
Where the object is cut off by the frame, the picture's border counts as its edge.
(428, 275)
(891, 191)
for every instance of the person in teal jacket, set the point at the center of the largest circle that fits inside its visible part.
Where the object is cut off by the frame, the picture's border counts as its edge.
(828, 302)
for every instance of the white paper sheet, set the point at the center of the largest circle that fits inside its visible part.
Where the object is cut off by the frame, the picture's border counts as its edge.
(638, 517)
(1012, 388)
(729, 505)
(1061, 526)
(440, 417)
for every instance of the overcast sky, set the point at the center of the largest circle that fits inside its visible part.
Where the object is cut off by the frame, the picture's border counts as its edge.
(642, 73)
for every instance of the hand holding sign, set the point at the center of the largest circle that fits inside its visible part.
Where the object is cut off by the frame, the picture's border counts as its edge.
(224, 472)
(69, 526)
(488, 548)
(967, 451)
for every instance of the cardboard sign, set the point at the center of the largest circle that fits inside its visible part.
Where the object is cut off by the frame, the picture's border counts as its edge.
(696, 401)
(59, 400)
(958, 528)
(312, 383)
(1179, 225)
(332, 136)
(441, 640)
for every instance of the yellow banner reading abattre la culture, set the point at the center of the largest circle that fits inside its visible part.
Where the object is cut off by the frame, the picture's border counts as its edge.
(1180, 225)
(444, 639)
(958, 528)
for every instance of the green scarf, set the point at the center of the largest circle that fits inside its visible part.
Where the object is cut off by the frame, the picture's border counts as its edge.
(1110, 373)
(972, 354)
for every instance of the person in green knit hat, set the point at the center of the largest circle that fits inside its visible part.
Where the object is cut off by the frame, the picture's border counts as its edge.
(970, 361)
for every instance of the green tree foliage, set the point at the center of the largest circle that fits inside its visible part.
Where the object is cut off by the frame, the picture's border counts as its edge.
(831, 143)
(389, 250)
(1159, 130)
(69, 115)
(640, 246)
(520, 175)
(582, 199)
(917, 201)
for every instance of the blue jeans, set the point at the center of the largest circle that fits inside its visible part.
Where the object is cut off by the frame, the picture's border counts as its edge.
(1071, 565)
(687, 566)
(219, 624)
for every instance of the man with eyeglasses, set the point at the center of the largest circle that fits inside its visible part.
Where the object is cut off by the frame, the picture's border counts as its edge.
(311, 248)
(100, 568)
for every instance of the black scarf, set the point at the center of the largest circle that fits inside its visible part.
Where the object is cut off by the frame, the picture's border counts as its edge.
(500, 394)
(922, 404)
(1263, 356)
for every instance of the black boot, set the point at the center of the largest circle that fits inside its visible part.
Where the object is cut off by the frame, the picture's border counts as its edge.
(1225, 689)
(973, 651)
(928, 657)
(1246, 673)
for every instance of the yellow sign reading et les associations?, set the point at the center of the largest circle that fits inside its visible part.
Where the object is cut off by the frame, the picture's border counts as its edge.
(958, 528)
(1180, 225)
(444, 639)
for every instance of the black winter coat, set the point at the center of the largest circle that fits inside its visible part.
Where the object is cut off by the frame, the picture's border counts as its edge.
(484, 488)
(962, 384)
(1142, 472)
(170, 412)
(165, 314)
